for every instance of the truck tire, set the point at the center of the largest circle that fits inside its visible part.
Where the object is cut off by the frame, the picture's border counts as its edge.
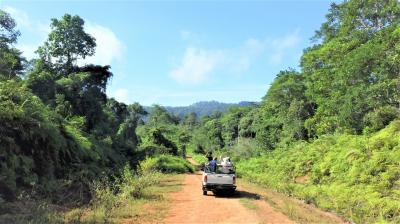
(204, 192)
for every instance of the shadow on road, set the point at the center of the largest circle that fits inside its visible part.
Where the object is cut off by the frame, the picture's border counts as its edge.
(238, 194)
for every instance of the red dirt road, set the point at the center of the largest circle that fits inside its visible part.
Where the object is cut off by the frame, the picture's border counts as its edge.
(190, 206)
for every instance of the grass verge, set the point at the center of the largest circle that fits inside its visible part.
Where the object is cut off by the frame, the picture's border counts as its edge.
(357, 176)
(150, 208)
(248, 203)
(131, 199)
(294, 209)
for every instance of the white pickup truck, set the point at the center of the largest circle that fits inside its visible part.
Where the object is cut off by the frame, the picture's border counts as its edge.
(218, 181)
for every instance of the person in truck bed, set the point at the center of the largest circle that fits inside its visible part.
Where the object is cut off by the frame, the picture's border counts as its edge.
(227, 165)
(213, 165)
(209, 156)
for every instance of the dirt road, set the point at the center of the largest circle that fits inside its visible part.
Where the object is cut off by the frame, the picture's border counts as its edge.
(191, 206)
(251, 204)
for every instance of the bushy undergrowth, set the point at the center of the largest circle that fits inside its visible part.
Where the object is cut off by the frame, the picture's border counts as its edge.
(109, 196)
(111, 200)
(356, 176)
(45, 154)
(244, 149)
(199, 158)
(167, 164)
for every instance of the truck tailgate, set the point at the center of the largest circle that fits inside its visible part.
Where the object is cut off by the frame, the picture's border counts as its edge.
(220, 178)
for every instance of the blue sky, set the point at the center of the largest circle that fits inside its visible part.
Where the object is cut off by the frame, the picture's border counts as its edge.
(180, 52)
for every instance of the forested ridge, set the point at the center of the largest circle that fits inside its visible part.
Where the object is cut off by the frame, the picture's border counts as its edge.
(327, 133)
(204, 108)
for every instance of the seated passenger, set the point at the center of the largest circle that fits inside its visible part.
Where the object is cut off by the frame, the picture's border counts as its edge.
(227, 166)
(213, 165)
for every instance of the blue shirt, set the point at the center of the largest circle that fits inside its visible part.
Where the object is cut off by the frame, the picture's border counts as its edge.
(213, 165)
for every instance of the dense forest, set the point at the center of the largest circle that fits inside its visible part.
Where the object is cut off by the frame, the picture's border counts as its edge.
(328, 133)
(204, 108)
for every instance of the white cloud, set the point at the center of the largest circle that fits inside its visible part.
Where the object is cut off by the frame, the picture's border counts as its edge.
(24, 21)
(196, 65)
(28, 51)
(109, 47)
(36, 29)
(20, 17)
(288, 41)
(241, 59)
(122, 95)
(281, 45)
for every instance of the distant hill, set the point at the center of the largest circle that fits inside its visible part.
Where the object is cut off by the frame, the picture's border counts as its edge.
(204, 108)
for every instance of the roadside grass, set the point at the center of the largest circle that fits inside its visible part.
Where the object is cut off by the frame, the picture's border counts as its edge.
(150, 208)
(32, 212)
(357, 176)
(249, 203)
(296, 210)
(134, 198)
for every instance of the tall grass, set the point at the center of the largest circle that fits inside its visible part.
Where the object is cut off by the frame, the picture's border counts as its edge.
(109, 197)
(112, 200)
(356, 176)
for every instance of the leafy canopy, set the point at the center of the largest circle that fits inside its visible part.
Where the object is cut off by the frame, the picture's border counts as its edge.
(67, 41)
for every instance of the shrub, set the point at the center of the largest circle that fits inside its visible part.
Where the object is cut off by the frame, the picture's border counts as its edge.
(166, 164)
(358, 176)
(131, 185)
(244, 149)
(199, 158)
(379, 118)
(107, 196)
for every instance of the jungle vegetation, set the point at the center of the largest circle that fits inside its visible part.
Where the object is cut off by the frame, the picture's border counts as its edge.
(327, 133)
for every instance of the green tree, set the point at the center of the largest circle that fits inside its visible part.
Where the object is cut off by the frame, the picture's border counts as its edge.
(213, 129)
(283, 111)
(67, 42)
(160, 116)
(127, 129)
(231, 123)
(354, 70)
(11, 61)
(8, 34)
(246, 124)
(190, 120)
(358, 18)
